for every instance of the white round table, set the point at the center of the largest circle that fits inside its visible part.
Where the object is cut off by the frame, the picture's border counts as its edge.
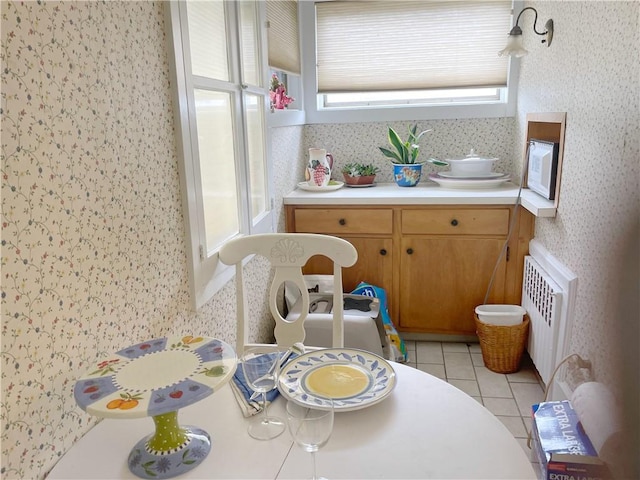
(426, 428)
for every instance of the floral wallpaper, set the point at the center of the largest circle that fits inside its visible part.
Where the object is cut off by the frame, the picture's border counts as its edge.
(93, 243)
(596, 80)
(359, 142)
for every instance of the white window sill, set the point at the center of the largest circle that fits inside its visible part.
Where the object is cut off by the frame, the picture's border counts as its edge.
(285, 118)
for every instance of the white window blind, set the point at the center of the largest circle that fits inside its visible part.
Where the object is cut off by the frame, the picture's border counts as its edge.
(283, 38)
(368, 46)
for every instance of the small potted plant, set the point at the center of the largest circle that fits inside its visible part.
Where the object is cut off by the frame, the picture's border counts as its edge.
(359, 173)
(404, 156)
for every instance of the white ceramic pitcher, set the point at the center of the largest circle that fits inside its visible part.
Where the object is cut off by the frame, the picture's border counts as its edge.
(319, 169)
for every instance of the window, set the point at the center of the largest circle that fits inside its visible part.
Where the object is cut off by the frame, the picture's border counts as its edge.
(222, 103)
(436, 59)
(284, 58)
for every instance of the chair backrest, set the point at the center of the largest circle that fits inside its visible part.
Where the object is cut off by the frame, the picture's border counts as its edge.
(288, 253)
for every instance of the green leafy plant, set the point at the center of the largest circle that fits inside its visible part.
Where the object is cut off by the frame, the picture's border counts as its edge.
(403, 151)
(360, 169)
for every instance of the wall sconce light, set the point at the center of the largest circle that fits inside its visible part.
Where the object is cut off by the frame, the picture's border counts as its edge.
(514, 46)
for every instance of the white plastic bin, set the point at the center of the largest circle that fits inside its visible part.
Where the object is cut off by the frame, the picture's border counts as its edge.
(503, 315)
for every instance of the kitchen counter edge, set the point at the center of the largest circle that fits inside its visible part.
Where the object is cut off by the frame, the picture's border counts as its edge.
(424, 194)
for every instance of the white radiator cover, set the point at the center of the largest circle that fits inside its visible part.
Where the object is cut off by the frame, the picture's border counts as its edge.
(548, 294)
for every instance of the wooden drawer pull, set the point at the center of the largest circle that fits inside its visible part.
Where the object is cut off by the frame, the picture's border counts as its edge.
(383, 252)
(342, 221)
(410, 251)
(454, 222)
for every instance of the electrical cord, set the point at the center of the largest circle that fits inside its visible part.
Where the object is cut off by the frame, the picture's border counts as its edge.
(509, 232)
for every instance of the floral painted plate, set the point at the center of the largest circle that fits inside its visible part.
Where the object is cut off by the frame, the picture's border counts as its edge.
(353, 379)
(333, 185)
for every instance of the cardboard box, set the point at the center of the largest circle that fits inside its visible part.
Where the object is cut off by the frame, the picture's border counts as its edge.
(561, 445)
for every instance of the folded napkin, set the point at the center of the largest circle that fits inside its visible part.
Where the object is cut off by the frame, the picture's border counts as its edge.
(243, 392)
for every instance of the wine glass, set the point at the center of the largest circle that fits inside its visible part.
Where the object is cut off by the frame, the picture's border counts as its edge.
(310, 427)
(261, 366)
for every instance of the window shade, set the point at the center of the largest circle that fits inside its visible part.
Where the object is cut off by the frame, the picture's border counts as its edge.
(284, 42)
(367, 46)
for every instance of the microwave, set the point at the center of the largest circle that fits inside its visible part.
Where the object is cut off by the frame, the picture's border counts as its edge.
(543, 167)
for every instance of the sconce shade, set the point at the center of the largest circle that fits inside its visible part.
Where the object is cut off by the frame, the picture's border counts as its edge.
(514, 46)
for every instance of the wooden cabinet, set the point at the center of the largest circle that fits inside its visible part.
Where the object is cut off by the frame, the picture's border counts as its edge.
(435, 262)
(368, 229)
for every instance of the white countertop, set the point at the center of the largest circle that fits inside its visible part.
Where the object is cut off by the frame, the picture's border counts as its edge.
(425, 193)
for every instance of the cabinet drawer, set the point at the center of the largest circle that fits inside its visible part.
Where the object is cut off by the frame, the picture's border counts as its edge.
(344, 221)
(456, 222)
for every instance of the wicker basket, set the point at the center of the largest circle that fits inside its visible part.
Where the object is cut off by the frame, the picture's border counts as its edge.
(502, 346)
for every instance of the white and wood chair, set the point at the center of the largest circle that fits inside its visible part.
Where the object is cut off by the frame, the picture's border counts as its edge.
(288, 253)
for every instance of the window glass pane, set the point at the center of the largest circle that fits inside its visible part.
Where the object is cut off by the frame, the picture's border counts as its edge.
(249, 39)
(217, 166)
(254, 114)
(208, 39)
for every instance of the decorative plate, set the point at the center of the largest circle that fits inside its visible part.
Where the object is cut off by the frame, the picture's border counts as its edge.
(481, 176)
(353, 379)
(333, 185)
(155, 377)
(468, 183)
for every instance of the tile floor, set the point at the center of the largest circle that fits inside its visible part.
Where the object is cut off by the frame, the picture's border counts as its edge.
(509, 397)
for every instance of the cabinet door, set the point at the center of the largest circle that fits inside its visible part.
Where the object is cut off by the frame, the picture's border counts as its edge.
(373, 265)
(443, 279)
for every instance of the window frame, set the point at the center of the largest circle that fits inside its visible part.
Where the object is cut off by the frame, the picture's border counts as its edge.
(207, 274)
(314, 114)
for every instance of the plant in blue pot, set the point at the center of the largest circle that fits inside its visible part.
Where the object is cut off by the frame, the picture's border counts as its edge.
(404, 156)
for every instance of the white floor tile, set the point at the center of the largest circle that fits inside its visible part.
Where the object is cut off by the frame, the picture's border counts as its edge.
(527, 394)
(475, 348)
(434, 369)
(470, 387)
(455, 347)
(514, 424)
(410, 345)
(457, 359)
(429, 352)
(411, 356)
(492, 384)
(501, 406)
(460, 372)
(476, 359)
(523, 376)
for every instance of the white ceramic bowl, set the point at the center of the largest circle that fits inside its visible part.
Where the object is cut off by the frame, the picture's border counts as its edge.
(503, 315)
(471, 165)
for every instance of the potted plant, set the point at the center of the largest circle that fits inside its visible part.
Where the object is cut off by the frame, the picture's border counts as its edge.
(404, 156)
(359, 173)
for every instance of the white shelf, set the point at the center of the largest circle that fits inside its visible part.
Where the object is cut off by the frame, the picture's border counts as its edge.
(536, 204)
